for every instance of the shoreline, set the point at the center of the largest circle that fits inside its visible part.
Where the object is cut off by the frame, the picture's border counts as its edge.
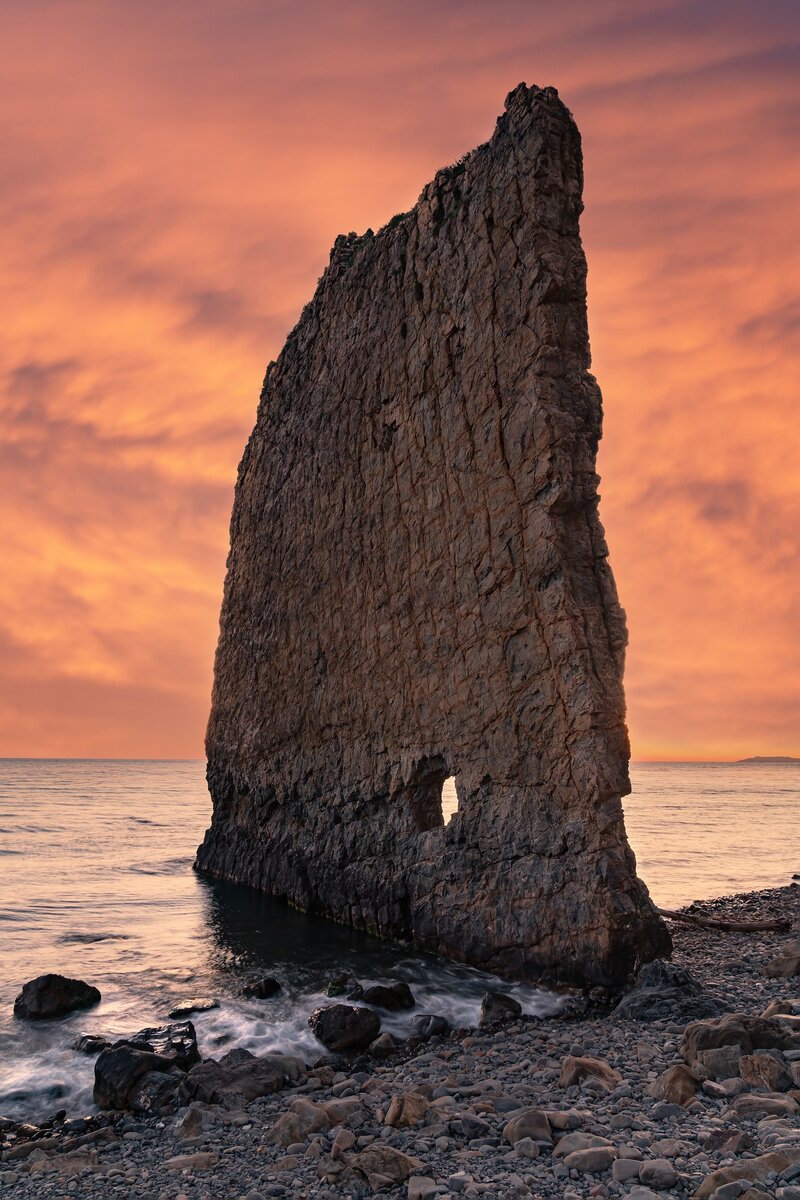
(436, 1118)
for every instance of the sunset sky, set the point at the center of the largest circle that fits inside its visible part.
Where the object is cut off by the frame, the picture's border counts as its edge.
(174, 174)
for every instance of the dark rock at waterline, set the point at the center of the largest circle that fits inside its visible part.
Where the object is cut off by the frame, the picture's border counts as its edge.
(262, 989)
(239, 1077)
(497, 1007)
(344, 984)
(166, 1050)
(118, 1071)
(199, 1004)
(341, 1027)
(665, 991)
(429, 1025)
(394, 997)
(50, 996)
(176, 1042)
(155, 1091)
(91, 1043)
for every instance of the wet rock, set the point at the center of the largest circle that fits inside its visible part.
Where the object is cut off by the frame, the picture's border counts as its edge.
(119, 1069)
(575, 1070)
(428, 1025)
(50, 996)
(176, 1042)
(200, 1004)
(341, 1027)
(383, 1046)
(239, 1077)
(155, 1091)
(496, 1007)
(262, 989)
(91, 1043)
(394, 997)
(343, 985)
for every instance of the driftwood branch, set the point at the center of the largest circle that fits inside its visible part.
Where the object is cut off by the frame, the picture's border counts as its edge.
(704, 922)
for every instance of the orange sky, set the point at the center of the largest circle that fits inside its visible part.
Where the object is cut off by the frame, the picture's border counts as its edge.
(174, 174)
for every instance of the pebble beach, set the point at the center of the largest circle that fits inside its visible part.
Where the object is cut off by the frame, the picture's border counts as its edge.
(609, 1097)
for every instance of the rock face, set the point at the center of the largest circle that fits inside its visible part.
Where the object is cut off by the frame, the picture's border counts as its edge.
(418, 588)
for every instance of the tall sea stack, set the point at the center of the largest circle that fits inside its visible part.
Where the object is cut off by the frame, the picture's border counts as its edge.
(418, 587)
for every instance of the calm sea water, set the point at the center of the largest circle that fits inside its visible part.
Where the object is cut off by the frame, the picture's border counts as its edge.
(96, 882)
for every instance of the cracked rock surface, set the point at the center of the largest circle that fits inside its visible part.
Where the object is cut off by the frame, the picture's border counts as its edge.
(418, 588)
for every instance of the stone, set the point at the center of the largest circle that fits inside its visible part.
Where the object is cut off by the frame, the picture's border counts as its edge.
(766, 1106)
(496, 1007)
(155, 1091)
(119, 1069)
(342, 985)
(665, 991)
(787, 964)
(341, 1027)
(239, 1077)
(592, 1070)
(624, 1169)
(428, 1025)
(51, 996)
(199, 1004)
(304, 1117)
(383, 1046)
(574, 1142)
(198, 1118)
(752, 1169)
(422, 1187)
(591, 1161)
(176, 1042)
(721, 1062)
(407, 1110)
(91, 1043)
(658, 1173)
(530, 1123)
(729, 1141)
(424, 460)
(737, 1029)
(677, 1084)
(383, 1166)
(202, 1160)
(527, 1148)
(767, 1071)
(261, 989)
(394, 997)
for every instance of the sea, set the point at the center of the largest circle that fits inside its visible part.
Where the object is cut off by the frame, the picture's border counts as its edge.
(96, 882)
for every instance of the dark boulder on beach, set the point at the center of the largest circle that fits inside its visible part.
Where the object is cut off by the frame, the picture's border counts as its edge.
(165, 1050)
(497, 1007)
(429, 1025)
(665, 991)
(341, 1027)
(394, 997)
(239, 1077)
(50, 996)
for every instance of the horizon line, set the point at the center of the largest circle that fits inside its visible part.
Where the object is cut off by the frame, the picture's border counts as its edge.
(139, 758)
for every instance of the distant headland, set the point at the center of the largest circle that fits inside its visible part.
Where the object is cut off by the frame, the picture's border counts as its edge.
(767, 758)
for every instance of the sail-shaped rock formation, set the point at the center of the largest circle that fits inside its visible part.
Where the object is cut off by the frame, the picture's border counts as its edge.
(418, 588)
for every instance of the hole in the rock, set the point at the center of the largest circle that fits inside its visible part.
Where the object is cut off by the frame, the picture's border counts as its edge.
(449, 799)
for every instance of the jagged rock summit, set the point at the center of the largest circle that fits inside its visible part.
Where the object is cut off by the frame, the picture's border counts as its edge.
(418, 588)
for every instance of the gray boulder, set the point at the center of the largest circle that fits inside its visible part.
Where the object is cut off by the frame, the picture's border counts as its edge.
(341, 1027)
